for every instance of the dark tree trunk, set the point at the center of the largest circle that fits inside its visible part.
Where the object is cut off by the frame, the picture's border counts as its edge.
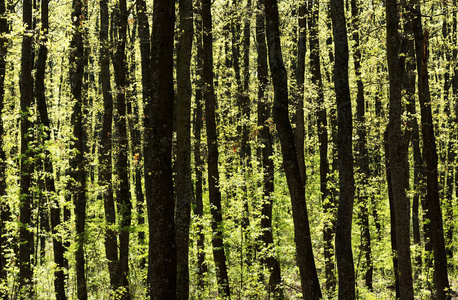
(105, 160)
(299, 131)
(145, 52)
(59, 278)
(450, 153)
(394, 247)
(430, 155)
(274, 285)
(413, 137)
(25, 235)
(5, 214)
(322, 123)
(198, 162)
(184, 194)
(212, 144)
(77, 163)
(398, 153)
(245, 153)
(362, 158)
(305, 259)
(162, 262)
(123, 200)
(344, 255)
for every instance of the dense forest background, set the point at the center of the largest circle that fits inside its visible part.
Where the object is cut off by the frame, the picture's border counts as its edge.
(267, 149)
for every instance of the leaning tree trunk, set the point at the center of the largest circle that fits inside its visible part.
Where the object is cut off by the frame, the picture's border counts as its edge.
(25, 211)
(274, 285)
(305, 259)
(184, 192)
(77, 167)
(158, 155)
(430, 155)
(212, 144)
(344, 255)
(398, 153)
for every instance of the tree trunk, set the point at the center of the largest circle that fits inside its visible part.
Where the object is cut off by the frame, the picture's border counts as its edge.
(162, 264)
(105, 160)
(50, 188)
(305, 259)
(299, 131)
(344, 255)
(362, 159)
(413, 137)
(430, 154)
(145, 52)
(184, 195)
(198, 162)
(274, 285)
(212, 144)
(322, 123)
(124, 205)
(398, 153)
(5, 214)
(77, 163)
(25, 235)
(394, 247)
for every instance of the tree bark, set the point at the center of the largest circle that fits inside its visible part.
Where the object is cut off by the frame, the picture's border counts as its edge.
(362, 159)
(198, 162)
(398, 152)
(123, 200)
(162, 264)
(5, 214)
(105, 156)
(274, 287)
(299, 131)
(430, 155)
(49, 184)
(305, 259)
(184, 194)
(344, 255)
(25, 235)
(77, 163)
(212, 144)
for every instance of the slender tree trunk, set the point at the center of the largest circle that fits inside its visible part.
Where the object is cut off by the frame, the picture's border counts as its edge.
(50, 188)
(25, 235)
(305, 258)
(328, 205)
(398, 153)
(344, 255)
(413, 137)
(124, 204)
(162, 262)
(362, 159)
(184, 195)
(5, 214)
(198, 162)
(145, 52)
(77, 166)
(274, 285)
(299, 131)
(394, 246)
(212, 144)
(430, 154)
(105, 160)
